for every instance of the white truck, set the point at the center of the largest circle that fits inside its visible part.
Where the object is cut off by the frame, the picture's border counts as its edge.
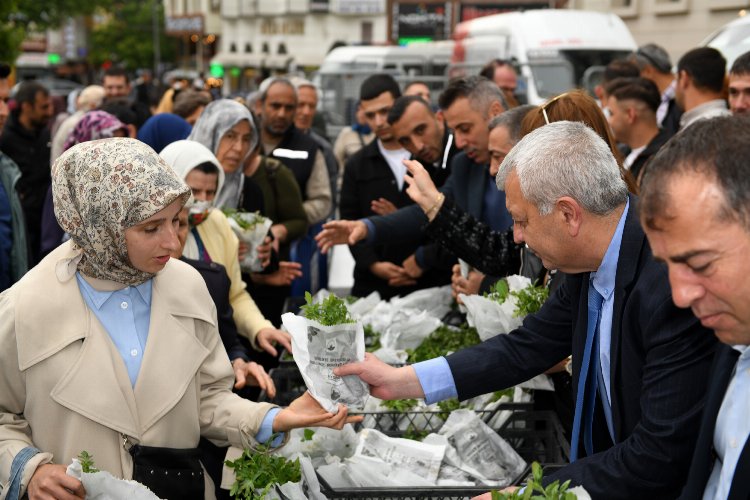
(553, 50)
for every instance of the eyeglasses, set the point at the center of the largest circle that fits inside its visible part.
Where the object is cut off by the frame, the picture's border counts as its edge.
(544, 106)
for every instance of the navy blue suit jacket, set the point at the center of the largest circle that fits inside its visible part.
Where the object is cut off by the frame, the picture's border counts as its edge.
(660, 360)
(704, 457)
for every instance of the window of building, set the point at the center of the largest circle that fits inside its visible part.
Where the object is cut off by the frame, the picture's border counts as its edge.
(670, 6)
(232, 47)
(282, 49)
(366, 32)
(265, 48)
(248, 48)
(625, 8)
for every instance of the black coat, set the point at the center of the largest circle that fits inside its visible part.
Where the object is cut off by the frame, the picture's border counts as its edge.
(31, 152)
(368, 177)
(660, 361)
(218, 285)
(704, 457)
(656, 143)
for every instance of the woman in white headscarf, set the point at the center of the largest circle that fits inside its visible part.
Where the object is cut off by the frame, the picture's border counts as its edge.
(111, 347)
(211, 238)
(226, 128)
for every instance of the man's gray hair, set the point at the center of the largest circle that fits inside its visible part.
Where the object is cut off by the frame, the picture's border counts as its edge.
(480, 92)
(300, 82)
(512, 120)
(565, 159)
(266, 84)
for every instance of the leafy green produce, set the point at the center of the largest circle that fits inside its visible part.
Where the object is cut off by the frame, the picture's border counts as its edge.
(499, 291)
(528, 300)
(399, 405)
(536, 491)
(449, 405)
(372, 339)
(331, 311)
(246, 220)
(308, 434)
(442, 341)
(350, 299)
(415, 435)
(256, 471)
(498, 394)
(87, 462)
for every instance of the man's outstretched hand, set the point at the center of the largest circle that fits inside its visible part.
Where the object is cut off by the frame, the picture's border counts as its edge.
(341, 232)
(385, 381)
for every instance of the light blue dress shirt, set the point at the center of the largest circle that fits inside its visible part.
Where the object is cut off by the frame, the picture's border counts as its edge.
(437, 380)
(732, 429)
(604, 282)
(127, 311)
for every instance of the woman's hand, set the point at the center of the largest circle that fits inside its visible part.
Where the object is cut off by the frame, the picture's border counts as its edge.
(287, 272)
(306, 412)
(421, 188)
(340, 232)
(50, 481)
(252, 374)
(269, 336)
(264, 252)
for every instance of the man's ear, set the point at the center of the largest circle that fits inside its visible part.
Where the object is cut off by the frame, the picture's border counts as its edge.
(571, 214)
(258, 107)
(439, 116)
(495, 109)
(683, 79)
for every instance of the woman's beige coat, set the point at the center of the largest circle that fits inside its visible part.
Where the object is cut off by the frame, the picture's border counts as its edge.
(64, 387)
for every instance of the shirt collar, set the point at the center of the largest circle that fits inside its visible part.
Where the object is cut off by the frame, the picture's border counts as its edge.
(100, 297)
(604, 277)
(669, 92)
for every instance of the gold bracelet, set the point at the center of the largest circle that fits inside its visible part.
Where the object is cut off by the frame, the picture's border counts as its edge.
(434, 208)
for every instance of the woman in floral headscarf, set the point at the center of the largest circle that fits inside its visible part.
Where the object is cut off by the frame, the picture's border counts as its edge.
(93, 125)
(110, 346)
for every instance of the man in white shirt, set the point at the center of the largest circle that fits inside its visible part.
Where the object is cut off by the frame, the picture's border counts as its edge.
(695, 209)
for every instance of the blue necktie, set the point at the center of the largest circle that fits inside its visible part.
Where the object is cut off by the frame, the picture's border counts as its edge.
(586, 394)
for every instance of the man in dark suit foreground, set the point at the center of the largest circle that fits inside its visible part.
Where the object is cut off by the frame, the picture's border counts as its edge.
(696, 212)
(640, 364)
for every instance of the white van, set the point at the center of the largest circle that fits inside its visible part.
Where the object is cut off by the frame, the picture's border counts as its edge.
(345, 68)
(554, 50)
(732, 39)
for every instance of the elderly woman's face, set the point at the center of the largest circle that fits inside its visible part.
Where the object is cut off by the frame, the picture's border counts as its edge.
(234, 145)
(151, 242)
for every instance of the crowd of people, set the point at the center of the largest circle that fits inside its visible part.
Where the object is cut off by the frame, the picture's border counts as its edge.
(632, 206)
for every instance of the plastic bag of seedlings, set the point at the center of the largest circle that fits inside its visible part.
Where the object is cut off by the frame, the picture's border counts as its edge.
(325, 338)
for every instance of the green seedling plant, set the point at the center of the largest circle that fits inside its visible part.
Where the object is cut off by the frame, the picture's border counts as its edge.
(534, 489)
(399, 405)
(87, 462)
(528, 300)
(242, 219)
(331, 311)
(442, 341)
(257, 471)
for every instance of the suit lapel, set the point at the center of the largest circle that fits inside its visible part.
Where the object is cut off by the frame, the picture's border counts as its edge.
(633, 240)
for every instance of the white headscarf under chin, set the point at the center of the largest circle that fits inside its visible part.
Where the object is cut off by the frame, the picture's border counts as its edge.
(217, 119)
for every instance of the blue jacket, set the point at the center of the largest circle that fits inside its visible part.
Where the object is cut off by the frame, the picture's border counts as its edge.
(18, 262)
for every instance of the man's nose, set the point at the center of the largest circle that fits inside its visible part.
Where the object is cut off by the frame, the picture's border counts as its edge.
(685, 290)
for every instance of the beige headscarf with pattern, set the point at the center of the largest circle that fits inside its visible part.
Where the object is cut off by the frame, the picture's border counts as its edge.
(100, 189)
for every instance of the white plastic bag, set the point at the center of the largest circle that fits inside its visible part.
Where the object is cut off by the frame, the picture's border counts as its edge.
(104, 486)
(252, 237)
(318, 349)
